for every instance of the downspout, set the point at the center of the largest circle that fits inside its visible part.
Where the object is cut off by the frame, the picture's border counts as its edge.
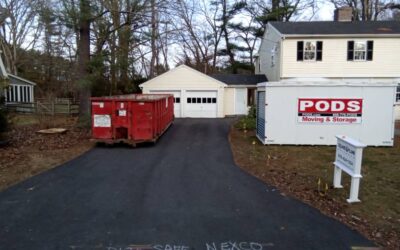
(281, 57)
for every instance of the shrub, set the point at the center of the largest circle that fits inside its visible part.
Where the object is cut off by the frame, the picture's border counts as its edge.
(252, 112)
(246, 123)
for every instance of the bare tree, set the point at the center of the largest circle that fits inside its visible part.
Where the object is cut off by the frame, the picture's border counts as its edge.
(17, 29)
(367, 10)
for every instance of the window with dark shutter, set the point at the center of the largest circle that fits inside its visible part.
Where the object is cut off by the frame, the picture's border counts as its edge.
(350, 50)
(319, 50)
(300, 46)
(370, 49)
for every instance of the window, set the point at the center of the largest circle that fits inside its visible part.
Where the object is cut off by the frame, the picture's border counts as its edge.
(177, 100)
(9, 94)
(11, 99)
(25, 99)
(201, 100)
(360, 50)
(21, 94)
(273, 52)
(398, 93)
(309, 51)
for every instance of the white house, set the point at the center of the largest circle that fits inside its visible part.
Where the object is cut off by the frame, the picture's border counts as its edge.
(335, 51)
(199, 95)
(18, 89)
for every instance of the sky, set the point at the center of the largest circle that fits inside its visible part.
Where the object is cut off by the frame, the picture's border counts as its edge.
(326, 12)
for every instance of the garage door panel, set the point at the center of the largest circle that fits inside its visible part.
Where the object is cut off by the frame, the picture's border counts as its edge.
(201, 104)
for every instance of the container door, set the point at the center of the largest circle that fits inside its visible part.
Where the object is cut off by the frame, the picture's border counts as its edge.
(260, 126)
(101, 119)
(121, 120)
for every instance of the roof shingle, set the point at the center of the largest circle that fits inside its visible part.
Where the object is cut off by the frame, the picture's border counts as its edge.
(338, 28)
(235, 79)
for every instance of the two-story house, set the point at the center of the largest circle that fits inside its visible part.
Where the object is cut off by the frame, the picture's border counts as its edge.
(331, 50)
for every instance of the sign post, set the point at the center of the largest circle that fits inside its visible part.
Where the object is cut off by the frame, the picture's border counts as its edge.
(348, 159)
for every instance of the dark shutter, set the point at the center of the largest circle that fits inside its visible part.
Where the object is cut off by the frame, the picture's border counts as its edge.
(319, 50)
(350, 50)
(370, 50)
(300, 46)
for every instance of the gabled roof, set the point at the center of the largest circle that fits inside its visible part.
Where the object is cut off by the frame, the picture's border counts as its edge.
(18, 80)
(371, 28)
(13, 78)
(182, 67)
(235, 79)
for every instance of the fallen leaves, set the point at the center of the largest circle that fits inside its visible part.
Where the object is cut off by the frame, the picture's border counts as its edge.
(29, 153)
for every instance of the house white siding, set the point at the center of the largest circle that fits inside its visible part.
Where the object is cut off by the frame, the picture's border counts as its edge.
(229, 104)
(269, 61)
(334, 64)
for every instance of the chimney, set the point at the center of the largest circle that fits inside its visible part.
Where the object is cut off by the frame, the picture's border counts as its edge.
(343, 14)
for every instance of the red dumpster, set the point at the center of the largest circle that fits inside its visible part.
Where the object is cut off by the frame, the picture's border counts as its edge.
(131, 118)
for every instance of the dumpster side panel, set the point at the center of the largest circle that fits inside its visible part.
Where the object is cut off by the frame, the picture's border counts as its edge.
(142, 119)
(102, 119)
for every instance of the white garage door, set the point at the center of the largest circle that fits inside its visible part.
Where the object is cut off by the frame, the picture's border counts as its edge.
(201, 104)
(177, 100)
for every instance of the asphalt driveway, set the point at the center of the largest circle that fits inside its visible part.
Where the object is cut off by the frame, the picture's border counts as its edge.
(184, 193)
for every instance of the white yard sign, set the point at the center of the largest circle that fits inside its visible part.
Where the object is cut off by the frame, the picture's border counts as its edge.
(348, 159)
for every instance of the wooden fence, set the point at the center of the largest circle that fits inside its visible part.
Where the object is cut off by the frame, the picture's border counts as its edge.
(47, 107)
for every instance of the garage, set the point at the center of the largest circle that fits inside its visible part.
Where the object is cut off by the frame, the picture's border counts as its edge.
(196, 95)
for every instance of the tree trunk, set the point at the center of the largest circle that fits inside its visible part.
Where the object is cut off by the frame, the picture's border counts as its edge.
(226, 35)
(83, 60)
(154, 53)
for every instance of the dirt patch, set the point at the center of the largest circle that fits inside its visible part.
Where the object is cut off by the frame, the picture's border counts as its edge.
(306, 173)
(30, 153)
